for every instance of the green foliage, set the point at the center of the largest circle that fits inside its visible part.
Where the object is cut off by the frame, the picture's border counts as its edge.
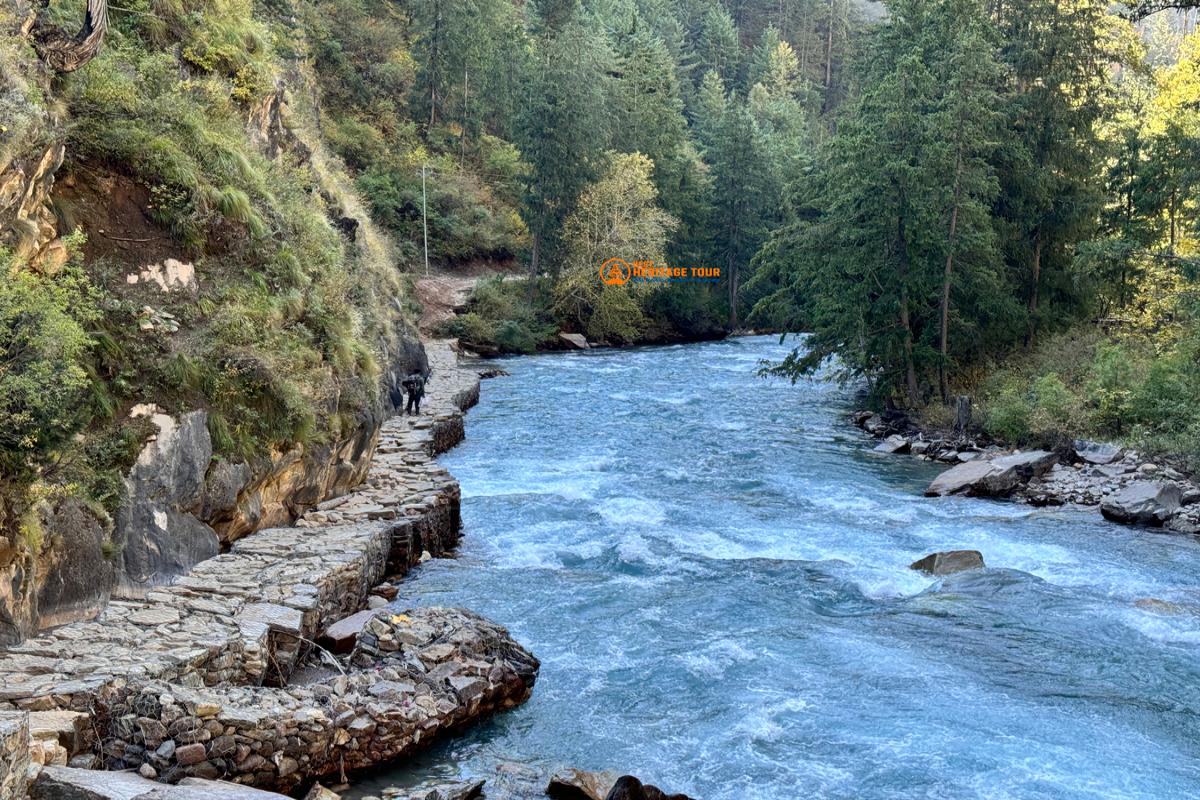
(1083, 384)
(506, 316)
(1110, 390)
(616, 217)
(43, 345)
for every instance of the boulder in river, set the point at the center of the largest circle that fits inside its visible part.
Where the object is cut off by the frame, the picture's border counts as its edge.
(894, 444)
(949, 562)
(1143, 503)
(459, 790)
(628, 787)
(578, 784)
(993, 477)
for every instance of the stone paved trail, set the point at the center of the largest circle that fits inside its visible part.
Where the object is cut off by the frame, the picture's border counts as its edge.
(243, 618)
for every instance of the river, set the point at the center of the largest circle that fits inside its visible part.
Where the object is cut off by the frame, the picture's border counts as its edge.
(713, 568)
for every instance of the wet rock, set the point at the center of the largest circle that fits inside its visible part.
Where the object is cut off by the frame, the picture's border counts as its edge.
(893, 444)
(992, 477)
(462, 790)
(387, 591)
(1181, 523)
(578, 784)
(1143, 503)
(574, 340)
(628, 787)
(1097, 452)
(319, 792)
(949, 562)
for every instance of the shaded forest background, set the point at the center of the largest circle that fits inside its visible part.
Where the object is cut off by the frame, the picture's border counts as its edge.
(951, 196)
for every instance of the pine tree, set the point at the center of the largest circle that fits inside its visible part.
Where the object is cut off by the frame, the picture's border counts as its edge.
(1050, 165)
(742, 203)
(717, 44)
(964, 137)
(562, 128)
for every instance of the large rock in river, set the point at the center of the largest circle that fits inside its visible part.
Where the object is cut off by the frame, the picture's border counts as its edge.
(894, 444)
(1143, 503)
(994, 477)
(578, 784)
(949, 562)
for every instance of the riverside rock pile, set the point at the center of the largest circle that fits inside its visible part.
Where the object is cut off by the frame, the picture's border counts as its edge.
(413, 675)
(1121, 484)
(176, 681)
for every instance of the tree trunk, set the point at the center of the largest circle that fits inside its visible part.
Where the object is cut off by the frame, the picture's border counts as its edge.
(910, 368)
(731, 266)
(949, 271)
(1172, 214)
(829, 51)
(435, 44)
(1034, 278)
(68, 53)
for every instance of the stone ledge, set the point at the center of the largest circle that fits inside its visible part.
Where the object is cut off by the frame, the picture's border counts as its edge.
(411, 677)
(245, 618)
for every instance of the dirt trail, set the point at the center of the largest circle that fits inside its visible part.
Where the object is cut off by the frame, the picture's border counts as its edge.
(445, 292)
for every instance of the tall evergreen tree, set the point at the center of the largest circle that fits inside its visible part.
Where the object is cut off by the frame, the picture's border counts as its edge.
(1050, 165)
(562, 128)
(741, 205)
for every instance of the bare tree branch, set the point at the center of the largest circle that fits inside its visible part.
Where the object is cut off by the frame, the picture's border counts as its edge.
(68, 53)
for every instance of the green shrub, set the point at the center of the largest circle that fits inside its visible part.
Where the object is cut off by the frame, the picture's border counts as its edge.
(1111, 389)
(43, 345)
(1007, 409)
(1054, 411)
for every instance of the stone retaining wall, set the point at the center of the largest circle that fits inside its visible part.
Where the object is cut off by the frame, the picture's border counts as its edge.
(14, 753)
(414, 675)
(244, 618)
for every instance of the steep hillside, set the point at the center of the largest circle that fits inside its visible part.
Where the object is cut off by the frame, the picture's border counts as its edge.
(198, 313)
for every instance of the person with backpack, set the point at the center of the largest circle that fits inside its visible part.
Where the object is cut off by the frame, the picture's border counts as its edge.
(414, 384)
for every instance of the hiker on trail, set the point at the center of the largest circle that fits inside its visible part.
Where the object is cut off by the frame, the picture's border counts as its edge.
(396, 393)
(414, 384)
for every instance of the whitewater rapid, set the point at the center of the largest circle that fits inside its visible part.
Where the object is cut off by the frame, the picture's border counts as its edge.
(713, 568)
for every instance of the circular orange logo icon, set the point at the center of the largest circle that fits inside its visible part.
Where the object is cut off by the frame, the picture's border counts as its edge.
(614, 272)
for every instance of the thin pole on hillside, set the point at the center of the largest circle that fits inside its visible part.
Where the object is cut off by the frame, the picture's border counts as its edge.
(424, 221)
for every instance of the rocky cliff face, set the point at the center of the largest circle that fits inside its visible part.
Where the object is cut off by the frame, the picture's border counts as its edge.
(183, 500)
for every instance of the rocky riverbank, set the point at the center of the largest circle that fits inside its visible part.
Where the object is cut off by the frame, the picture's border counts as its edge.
(198, 679)
(1117, 482)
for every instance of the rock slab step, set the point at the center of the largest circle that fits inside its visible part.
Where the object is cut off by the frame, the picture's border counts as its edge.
(993, 477)
(65, 783)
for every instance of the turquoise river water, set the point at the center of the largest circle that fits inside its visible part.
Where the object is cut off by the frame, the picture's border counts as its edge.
(713, 569)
